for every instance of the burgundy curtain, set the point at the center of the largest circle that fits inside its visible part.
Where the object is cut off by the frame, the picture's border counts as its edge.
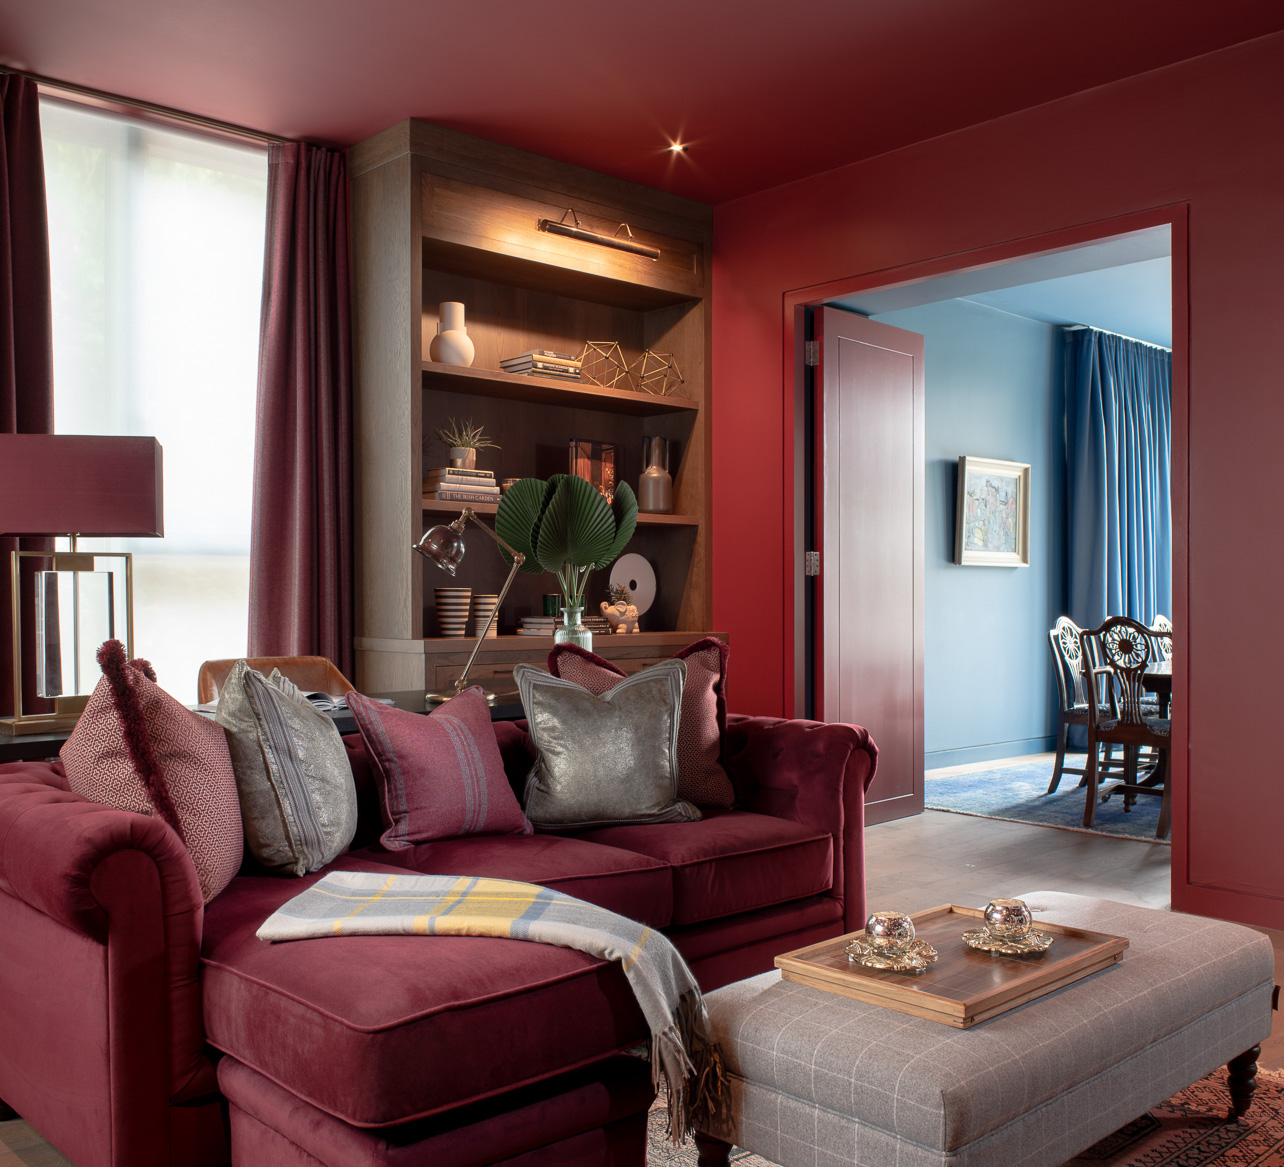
(301, 540)
(26, 328)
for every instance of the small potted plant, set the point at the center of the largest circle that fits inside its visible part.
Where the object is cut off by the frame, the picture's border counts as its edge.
(462, 440)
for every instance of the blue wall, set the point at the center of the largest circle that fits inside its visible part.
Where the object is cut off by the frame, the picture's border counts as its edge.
(994, 389)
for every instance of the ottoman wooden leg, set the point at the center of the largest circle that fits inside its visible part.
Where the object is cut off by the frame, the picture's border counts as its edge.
(713, 1152)
(1241, 1077)
(7, 1112)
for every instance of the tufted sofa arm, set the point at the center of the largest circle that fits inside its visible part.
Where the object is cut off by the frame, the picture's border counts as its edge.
(100, 931)
(814, 773)
(53, 841)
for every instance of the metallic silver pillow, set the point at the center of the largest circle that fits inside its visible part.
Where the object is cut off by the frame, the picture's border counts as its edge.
(298, 800)
(604, 760)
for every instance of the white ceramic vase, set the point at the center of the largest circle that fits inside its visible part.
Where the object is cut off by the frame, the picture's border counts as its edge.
(451, 345)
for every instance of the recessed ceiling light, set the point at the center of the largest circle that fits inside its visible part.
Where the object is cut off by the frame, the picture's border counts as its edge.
(678, 148)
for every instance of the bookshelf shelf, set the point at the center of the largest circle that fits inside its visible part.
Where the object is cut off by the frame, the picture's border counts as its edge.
(547, 391)
(436, 506)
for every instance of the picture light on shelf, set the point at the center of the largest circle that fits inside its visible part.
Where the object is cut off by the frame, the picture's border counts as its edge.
(575, 230)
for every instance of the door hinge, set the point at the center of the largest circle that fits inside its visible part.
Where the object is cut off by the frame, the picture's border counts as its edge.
(811, 563)
(811, 353)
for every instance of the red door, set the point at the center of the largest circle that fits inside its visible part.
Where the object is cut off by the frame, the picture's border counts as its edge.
(868, 460)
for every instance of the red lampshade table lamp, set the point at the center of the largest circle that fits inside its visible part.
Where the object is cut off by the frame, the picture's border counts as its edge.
(73, 485)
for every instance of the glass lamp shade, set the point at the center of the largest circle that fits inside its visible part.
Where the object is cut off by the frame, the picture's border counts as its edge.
(444, 546)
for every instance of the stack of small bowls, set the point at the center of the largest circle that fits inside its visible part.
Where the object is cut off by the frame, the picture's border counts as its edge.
(483, 606)
(452, 610)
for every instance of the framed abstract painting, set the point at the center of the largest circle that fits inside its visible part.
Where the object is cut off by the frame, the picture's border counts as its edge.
(992, 527)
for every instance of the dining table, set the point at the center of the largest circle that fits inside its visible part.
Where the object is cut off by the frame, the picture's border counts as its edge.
(1158, 679)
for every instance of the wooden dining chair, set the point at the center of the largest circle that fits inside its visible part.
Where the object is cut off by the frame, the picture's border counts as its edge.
(1162, 627)
(313, 674)
(1126, 649)
(1072, 669)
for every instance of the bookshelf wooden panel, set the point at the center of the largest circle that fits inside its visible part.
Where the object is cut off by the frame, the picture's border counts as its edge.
(439, 216)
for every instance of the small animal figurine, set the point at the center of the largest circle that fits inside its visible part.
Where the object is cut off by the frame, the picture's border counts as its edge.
(620, 612)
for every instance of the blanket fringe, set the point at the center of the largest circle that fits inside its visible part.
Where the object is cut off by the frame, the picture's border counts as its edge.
(691, 1064)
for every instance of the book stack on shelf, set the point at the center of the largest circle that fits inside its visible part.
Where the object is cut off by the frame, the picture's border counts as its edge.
(539, 625)
(449, 484)
(540, 362)
(547, 625)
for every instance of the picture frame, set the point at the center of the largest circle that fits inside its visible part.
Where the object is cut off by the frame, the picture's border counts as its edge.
(992, 518)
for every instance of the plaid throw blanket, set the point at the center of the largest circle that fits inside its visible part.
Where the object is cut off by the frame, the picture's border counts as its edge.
(359, 903)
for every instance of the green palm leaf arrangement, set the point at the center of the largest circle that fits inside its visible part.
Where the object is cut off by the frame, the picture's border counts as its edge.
(566, 527)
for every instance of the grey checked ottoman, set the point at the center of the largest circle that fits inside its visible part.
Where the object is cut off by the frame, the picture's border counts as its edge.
(820, 1080)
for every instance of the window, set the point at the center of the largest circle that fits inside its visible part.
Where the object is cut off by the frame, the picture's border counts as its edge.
(156, 240)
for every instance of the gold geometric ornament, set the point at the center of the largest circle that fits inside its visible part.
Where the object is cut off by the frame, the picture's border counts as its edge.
(656, 373)
(602, 363)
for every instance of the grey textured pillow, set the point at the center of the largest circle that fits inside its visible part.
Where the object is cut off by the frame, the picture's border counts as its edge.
(298, 800)
(608, 759)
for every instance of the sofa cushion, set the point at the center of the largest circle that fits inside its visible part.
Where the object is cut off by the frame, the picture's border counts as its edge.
(378, 1030)
(732, 861)
(441, 776)
(273, 1128)
(138, 749)
(298, 801)
(622, 881)
(608, 759)
(701, 778)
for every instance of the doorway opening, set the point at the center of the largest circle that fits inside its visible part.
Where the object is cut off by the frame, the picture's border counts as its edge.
(995, 387)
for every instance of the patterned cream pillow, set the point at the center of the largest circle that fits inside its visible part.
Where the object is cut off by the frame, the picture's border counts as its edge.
(298, 799)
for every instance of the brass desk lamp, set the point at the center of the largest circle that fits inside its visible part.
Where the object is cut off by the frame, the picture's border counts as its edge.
(444, 545)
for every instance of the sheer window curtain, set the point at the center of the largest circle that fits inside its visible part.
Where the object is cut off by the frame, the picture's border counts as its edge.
(1119, 447)
(156, 240)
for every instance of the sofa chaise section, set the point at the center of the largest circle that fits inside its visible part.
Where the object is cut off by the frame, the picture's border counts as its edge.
(111, 1019)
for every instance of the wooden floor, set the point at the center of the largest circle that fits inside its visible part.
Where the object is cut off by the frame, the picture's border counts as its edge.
(935, 858)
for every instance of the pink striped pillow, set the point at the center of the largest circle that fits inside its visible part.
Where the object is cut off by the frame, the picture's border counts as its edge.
(701, 778)
(439, 776)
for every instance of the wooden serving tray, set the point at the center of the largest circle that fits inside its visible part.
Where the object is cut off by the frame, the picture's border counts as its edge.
(965, 986)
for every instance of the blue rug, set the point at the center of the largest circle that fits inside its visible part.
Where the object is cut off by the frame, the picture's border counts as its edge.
(1019, 794)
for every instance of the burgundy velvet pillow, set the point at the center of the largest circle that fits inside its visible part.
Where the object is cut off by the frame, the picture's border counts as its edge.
(439, 776)
(701, 778)
(136, 748)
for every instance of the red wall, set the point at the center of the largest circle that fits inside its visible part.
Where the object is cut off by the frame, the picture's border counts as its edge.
(1207, 134)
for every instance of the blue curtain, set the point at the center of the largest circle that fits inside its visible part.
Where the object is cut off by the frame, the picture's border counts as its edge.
(1119, 449)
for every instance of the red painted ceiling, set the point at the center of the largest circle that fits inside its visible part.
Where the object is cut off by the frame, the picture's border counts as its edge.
(763, 92)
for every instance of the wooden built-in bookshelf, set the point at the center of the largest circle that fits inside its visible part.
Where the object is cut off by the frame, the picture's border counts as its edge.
(441, 216)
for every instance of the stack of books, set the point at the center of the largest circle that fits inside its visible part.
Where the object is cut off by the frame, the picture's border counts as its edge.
(547, 625)
(541, 362)
(539, 625)
(450, 485)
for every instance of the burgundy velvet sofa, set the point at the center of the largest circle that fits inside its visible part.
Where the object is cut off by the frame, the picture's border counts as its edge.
(137, 1027)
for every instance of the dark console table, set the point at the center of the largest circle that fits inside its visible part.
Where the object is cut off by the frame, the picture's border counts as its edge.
(26, 747)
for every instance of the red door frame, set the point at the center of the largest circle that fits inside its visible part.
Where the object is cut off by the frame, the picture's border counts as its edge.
(795, 302)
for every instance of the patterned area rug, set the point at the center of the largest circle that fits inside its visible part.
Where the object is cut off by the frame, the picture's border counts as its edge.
(1189, 1130)
(1019, 793)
